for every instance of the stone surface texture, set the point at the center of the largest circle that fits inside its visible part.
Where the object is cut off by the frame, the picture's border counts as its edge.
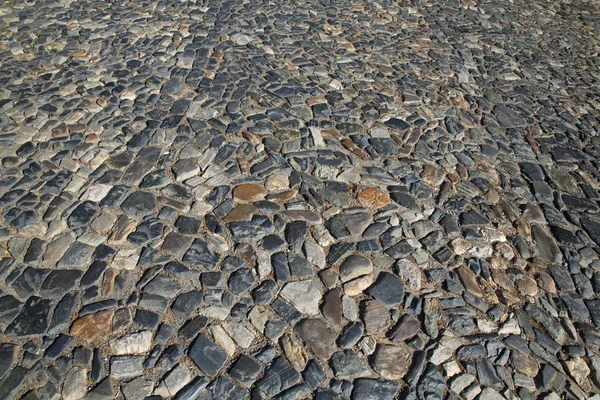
(345, 200)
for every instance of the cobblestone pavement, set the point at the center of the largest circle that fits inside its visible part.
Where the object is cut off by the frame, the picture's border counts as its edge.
(349, 199)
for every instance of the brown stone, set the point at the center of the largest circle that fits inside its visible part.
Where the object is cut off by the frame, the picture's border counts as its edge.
(432, 175)
(525, 364)
(294, 351)
(122, 228)
(349, 144)
(242, 212)
(108, 284)
(501, 278)
(546, 282)
(317, 336)
(283, 196)
(91, 326)
(527, 286)
(392, 361)
(92, 137)
(375, 317)
(249, 192)
(373, 198)
(469, 281)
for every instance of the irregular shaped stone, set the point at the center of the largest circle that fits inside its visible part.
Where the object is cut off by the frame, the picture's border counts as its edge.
(317, 336)
(139, 204)
(92, 326)
(75, 386)
(372, 198)
(373, 389)
(207, 356)
(346, 363)
(304, 296)
(32, 320)
(134, 343)
(392, 361)
(126, 367)
(387, 289)
(77, 255)
(249, 192)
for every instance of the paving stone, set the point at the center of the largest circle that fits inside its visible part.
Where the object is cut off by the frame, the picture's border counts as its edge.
(346, 363)
(207, 356)
(303, 295)
(32, 320)
(387, 289)
(126, 367)
(373, 389)
(290, 194)
(278, 377)
(317, 336)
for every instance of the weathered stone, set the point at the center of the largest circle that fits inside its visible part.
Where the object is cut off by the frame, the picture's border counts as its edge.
(304, 296)
(93, 326)
(319, 338)
(249, 192)
(207, 356)
(392, 361)
(372, 197)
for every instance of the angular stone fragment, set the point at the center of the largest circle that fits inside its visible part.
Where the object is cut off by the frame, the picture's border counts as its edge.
(304, 296)
(92, 326)
(126, 367)
(207, 356)
(278, 377)
(392, 361)
(134, 343)
(332, 308)
(547, 247)
(373, 198)
(375, 317)
(8, 356)
(245, 370)
(139, 204)
(407, 327)
(77, 255)
(200, 254)
(410, 273)
(347, 364)
(57, 283)
(387, 289)
(12, 381)
(75, 386)
(373, 389)
(507, 117)
(32, 320)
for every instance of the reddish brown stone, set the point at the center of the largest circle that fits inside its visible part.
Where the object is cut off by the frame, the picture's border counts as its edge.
(249, 192)
(92, 326)
(373, 198)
